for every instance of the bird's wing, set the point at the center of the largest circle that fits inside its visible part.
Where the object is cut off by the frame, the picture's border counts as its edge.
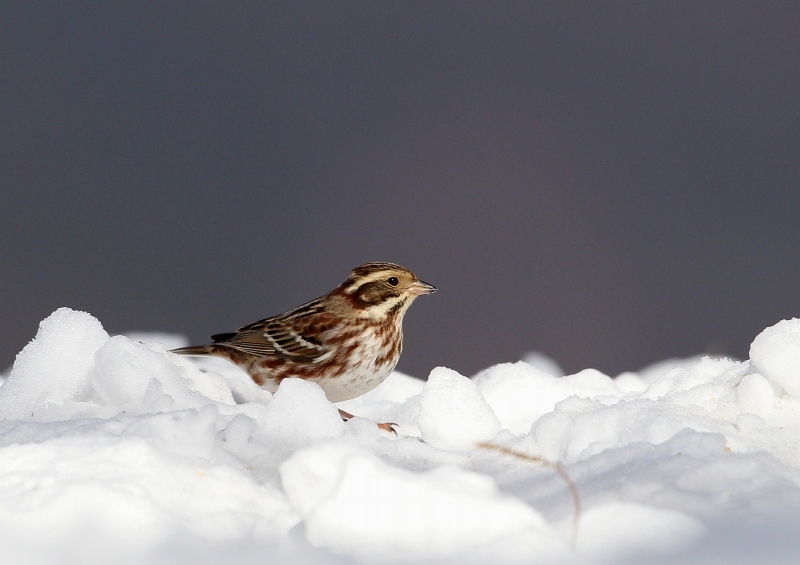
(280, 336)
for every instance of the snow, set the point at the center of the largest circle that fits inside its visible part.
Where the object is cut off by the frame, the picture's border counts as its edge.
(356, 504)
(775, 354)
(113, 450)
(453, 414)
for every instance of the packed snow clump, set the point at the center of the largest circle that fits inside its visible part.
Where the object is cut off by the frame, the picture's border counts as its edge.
(453, 414)
(113, 449)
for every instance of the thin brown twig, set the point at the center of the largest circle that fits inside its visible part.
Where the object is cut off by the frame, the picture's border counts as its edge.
(557, 467)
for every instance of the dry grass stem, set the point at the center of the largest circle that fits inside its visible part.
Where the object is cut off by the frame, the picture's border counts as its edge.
(557, 467)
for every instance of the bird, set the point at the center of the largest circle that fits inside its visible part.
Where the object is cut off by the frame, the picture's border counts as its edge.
(347, 341)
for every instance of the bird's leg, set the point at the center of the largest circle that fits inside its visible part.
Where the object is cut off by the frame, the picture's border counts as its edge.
(386, 426)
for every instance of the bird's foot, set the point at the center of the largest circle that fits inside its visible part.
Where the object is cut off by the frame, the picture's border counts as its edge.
(385, 426)
(388, 427)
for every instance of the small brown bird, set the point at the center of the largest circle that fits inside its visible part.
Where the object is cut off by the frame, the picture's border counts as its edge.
(347, 341)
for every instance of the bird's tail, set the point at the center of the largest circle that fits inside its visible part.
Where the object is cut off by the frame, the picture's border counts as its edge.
(195, 350)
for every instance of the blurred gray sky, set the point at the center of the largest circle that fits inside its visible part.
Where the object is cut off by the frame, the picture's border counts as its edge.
(609, 183)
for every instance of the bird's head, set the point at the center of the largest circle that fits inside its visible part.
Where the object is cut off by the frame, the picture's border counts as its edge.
(378, 290)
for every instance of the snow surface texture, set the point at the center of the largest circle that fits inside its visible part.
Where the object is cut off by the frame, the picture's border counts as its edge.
(113, 450)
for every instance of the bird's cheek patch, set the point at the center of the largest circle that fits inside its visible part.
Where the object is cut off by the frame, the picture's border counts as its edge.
(370, 293)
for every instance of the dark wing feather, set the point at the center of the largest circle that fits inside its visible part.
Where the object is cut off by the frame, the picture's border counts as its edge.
(279, 336)
(218, 338)
(252, 341)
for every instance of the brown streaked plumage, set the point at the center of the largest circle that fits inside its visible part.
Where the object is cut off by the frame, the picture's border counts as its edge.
(347, 341)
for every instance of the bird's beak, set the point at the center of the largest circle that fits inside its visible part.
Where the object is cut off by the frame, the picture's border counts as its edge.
(418, 288)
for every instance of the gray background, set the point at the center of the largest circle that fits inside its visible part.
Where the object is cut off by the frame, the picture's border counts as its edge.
(612, 183)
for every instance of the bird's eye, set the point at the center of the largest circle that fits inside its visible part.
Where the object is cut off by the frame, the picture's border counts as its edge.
(392, 281)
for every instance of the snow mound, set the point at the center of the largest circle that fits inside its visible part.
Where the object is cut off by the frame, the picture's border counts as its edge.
(775, 354)
(114, 450)
(55, 369)
(402, 515)
(453, 414)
